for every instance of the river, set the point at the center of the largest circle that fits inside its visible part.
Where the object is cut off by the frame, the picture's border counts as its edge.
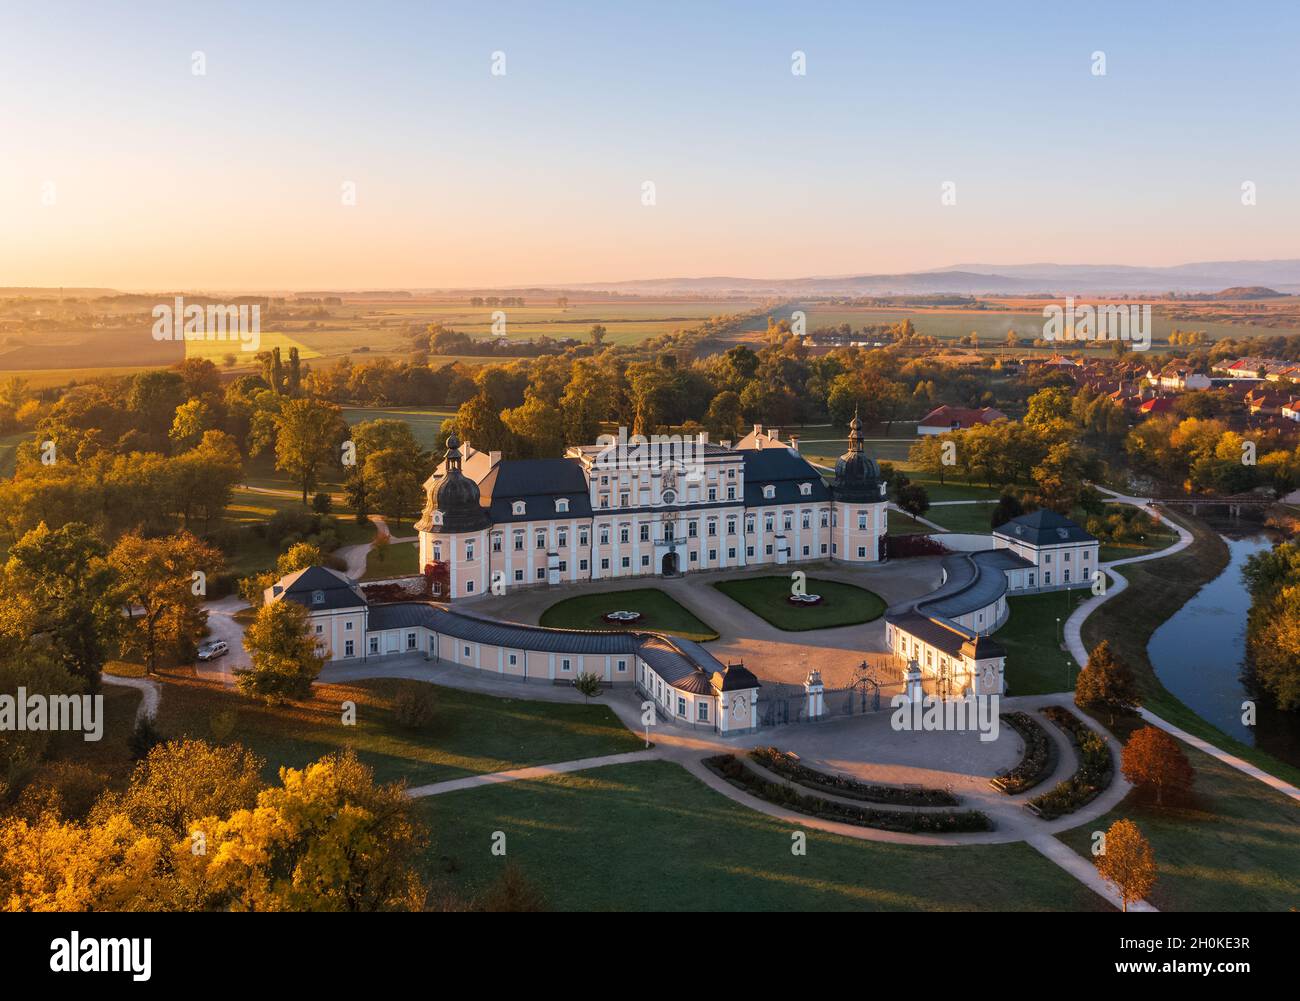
(1198, 654)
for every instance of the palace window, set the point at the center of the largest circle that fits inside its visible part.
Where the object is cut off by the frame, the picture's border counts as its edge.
(582, 536)
(496, 542)
(645, 532)
(410, 641)
(562, 505)
(541, 540)
(563, 538)
(805, 489)
(862, 521)
(702, 709)
(769, 491)
(469, 550)
(437, 552)
(519, 541)
(318, 597)
(623, 534)
(518, 507)
(681, 706)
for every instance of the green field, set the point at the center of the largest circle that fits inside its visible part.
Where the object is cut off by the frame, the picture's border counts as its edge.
(1036, 665)
(650, 837)
(471, 733)
(1235, 847)
(766, 597)
(659, 613)
(902, 524)
(970, 518)
(423, 421)
(992, 325)
(397, 559)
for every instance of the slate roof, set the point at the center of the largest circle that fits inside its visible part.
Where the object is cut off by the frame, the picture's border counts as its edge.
(511, 635)
(946, 638)
(538, 483)
(785, 470)
(336, 590)
(1043, 528)
(974, 581)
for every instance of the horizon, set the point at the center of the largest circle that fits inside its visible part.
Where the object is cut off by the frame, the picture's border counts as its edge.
(130, 170)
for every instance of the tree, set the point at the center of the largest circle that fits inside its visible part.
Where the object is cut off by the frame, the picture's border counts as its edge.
(307, 438)
(156, 578)
(193, 417)
(512, 892)
(538, 427)
(1007, 507)
(588, 684)
(913, 498)
(328, 838)
(1127, 862)
(1106, 684)
(56, 585)
(1152, 759)
(478, 421)
(724, 418)
(285, 660)
(597, 334)
(392, 484)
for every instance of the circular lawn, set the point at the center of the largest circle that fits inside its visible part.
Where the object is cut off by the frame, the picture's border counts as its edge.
(769, 598)
(659, 613)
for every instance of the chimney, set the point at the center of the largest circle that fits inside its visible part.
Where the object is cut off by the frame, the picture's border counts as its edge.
(494, 457)
(794, 444)
(465, 449)
(774, 434)
(758, 430)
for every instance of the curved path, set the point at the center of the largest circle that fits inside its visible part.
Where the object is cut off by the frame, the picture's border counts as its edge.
(1117, 585)
(150, 693)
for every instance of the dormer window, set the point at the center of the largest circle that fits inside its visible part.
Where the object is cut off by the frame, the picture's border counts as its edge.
(437, 517)
(318, 597)
(769, 491)
(517, 507)
(805, 489)
(562, 505)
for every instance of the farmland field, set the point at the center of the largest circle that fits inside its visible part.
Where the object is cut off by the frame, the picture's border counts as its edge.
(424, 421)
(992, 325)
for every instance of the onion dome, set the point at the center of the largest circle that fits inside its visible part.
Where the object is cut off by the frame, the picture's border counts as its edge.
(455, 497)
(857, 477)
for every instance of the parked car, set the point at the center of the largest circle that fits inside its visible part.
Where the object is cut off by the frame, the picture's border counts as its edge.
(213, 649)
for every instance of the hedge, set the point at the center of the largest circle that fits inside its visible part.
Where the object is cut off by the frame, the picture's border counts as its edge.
(785, 766)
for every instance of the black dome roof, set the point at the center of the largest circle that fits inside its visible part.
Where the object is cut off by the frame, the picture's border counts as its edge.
(456, 498)
(857, 477)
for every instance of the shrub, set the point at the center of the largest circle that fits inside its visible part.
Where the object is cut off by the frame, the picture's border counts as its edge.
(416, 707)
(778, 793)
(144, 737)
(1090, 780)
(1039, 758)
(773, 760)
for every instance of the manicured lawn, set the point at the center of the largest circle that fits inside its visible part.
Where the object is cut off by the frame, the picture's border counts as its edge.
(650, 837)
(1157, 589)
(952, 489)
(659, 613)
(971, 518)
(902, 524)
(842, 604)
(1036, 664)
(397, 559)
(471, 733)
(1236, 847)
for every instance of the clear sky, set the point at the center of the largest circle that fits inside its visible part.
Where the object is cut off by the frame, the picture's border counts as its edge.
(163, 179)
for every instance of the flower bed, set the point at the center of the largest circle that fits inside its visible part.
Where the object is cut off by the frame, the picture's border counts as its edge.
(785, 766)
(804, 599)
(621, 617)
(1094, 774)
(1039, 758)
(731, 768)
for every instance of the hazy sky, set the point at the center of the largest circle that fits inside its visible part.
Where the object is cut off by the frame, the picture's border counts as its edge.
(164, 179)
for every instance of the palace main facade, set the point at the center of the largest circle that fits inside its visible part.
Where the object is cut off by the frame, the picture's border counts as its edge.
(629, 509)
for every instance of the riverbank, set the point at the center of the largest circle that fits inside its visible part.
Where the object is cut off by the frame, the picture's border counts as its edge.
(1157, 590)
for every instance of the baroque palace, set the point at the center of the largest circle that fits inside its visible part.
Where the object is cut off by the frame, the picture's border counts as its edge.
(632, 508)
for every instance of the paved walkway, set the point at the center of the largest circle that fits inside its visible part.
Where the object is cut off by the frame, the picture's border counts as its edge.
(150, 693)
(1118, 584)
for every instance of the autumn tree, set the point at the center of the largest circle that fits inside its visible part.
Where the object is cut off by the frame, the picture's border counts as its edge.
(307, 438)
(913, 498)
(1107, 684)
(285, 660)
(1127, 862)
(478, 421)
(1152, 759)
(56, 586)
(156, 583)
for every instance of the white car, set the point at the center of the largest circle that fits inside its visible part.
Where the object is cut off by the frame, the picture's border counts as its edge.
(213, 649)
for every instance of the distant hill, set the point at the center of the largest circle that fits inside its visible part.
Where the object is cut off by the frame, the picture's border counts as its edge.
(999, 279)
(1248, 292)
(16, 292)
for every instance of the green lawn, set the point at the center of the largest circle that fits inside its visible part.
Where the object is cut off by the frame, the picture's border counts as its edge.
(1036, 665)
(902, 524)
(952, 489)
(766, 597)
(423, 421)
(471, 733)
(1235, 848)
(397, 559)
(650, 837)
(971, 518)
(659, 613)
